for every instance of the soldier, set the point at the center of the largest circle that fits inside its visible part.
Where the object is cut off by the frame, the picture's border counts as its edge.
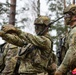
(70, 19)
(10, 51)
(37, 49)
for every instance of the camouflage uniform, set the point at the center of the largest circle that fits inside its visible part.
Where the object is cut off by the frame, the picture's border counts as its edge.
(73, 62)
(39, 45)
(26, 66)
(2, 56)
(69, 11)
(10, 61)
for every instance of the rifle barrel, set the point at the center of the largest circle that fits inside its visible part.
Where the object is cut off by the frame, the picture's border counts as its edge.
(55, 21)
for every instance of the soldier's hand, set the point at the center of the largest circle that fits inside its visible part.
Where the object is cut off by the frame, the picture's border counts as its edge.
(2, 33)
(8, 28)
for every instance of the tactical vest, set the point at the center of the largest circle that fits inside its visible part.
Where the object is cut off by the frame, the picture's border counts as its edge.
(38, 58)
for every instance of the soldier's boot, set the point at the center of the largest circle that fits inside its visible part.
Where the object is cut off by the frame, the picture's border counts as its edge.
(58, 73)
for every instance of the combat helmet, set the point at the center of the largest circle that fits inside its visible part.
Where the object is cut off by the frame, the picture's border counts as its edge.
(68, 12)
(71, 8)
(42, 20)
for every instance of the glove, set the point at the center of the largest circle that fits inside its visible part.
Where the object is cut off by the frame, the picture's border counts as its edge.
(9, 28)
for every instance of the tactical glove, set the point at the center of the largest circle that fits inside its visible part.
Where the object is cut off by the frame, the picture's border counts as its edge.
(9, 28)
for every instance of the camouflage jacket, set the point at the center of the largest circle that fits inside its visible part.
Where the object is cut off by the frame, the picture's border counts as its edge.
(72, 49)
(8, 58)
(38, 58)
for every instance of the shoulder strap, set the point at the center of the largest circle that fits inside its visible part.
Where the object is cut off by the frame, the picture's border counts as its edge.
(17, 64)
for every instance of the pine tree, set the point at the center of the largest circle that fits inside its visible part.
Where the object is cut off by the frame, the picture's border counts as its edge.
(57, 7)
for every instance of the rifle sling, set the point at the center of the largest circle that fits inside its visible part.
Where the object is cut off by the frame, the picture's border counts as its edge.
(17, 65)
(27, 51)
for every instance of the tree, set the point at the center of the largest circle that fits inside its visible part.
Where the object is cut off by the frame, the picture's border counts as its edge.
(38, 7)
(24, 13)
(4, 12)
(57, 7)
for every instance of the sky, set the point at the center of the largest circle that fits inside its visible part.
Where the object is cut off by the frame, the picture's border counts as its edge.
(44, 7)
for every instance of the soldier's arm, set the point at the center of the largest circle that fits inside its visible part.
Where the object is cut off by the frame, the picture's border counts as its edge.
(13, 39)
(72, 48)
(40, 41)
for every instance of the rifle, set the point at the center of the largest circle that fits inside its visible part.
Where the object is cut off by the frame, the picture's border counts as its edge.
(49, 25)
(61, 44)
(40, 33)
(61, 49)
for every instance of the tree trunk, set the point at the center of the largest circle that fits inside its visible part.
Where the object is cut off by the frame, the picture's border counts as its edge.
(38, 8)
(12, 12)
(73, 1)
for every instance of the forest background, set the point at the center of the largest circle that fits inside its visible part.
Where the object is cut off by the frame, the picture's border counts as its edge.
(28, 10)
